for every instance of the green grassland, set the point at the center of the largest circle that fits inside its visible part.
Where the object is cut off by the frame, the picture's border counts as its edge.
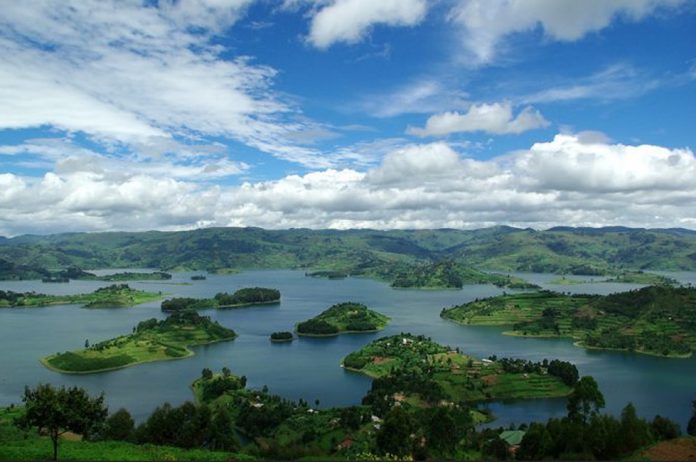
(657, 320)
(151, 340)
(343, 318)
(419, 366)
(119, 295)
(249, 296)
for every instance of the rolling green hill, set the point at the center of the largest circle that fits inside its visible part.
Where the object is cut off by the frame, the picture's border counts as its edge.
(380, 254)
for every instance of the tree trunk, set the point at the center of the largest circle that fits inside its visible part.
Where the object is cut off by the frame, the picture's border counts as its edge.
(54, 438)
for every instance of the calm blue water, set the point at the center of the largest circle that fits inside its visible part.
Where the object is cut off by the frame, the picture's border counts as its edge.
(309, 367)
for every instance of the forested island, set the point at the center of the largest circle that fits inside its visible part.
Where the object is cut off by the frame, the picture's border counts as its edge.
(414, 369)
(283, 336)
(151, 340)
(114, 296)
(249, 296)
(656, 320)
(328, 274)
(451, 275)
(343, 318)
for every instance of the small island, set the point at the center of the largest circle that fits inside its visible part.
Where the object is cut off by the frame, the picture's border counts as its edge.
(656, 320)
(328, 274)
(114, 296)
(279, 337)
(151, 340)
(452, 275)
(343, 318)
(418, 371)
(641, 277)
(250, 296)
(198, 277)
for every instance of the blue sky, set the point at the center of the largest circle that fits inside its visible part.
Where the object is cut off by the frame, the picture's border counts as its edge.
(137, 115)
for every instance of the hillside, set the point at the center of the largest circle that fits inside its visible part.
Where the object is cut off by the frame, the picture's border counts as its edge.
(381, 254)
(343, 318)
(657, 320)
(451, 275)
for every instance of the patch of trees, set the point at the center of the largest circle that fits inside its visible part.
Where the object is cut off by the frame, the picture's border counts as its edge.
(317, 327)
(186, 303)
(381, 393)
(248, 295)
(564, 370)
(281, 336)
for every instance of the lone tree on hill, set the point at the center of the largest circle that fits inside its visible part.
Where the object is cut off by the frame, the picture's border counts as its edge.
(61, 410)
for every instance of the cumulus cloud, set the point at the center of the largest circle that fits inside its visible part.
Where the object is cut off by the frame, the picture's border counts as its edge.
(573, 179)
(349, 21)
(122, 72)
(485, 23)
(495, 118)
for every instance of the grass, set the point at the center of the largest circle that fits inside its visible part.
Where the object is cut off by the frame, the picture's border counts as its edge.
(162, 341)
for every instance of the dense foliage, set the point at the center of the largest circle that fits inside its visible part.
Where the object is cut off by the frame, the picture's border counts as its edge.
(343, 317)
(281, 336)
(248, 296)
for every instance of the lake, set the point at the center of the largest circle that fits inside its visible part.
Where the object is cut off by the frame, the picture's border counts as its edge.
(309, 367)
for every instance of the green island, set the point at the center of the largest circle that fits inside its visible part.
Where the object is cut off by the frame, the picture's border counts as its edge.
(343, 318)
(151, 340)
(655, 320)
(114, 296)
(414, 369)
(284, 336)
(640, 277)
(451, 275)
(249, 296)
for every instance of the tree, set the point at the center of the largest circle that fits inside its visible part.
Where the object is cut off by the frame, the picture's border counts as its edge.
(442, 431)
(226, 372)
(635, 432)
(536, 443)
(206, 374)
(222, 436)
(664, 429)
(691, 426)
(62, 410)
(394, 437)
(585, 400)
(87, 343)
(119, 426)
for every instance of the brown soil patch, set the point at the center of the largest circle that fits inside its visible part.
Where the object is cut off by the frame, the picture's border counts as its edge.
(379, 360)
(489, 379)
(679, 449)
(70, 436)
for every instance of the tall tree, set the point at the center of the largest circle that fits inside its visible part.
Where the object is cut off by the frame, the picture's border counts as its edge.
(691, 426)
(585, 400)
(119, 426)
(394, 436)
(61, 410)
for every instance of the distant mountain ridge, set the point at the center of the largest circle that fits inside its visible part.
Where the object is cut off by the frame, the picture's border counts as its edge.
(365, 252)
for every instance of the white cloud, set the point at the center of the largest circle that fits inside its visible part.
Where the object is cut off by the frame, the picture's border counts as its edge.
(574, 179)
(495, 118)
(485, 23)
(419, 97)
(349, 21)
(127, 73)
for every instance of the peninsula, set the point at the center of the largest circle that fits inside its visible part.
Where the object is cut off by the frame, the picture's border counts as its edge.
(343, 318)
(452, 275)
(415, 369)
(151, 340)
(656, 320)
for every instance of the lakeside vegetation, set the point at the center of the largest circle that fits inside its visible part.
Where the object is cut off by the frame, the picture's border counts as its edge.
(451, 275)
(245, 297)
(151, 340)
(114, 296)
(657, 320)
(343, 318)
(414, 369)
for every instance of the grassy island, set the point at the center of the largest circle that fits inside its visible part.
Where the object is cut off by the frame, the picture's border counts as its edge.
(249, 296)
(327, 274)
(656, 320)
(421, 372)
(119, 295)
(151, 340)
(282, 337)
(452, 275)
(343, 318)
(640, 277)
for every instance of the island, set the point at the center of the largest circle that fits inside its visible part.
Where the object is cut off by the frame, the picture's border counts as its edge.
(198, 277)
(452, 275)
(328, 274)
(641, 277)
(249, 296)
(284, 336)
(114, 296)
(656, 320)
(151, 340)
(343, 318)
(416, 370)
